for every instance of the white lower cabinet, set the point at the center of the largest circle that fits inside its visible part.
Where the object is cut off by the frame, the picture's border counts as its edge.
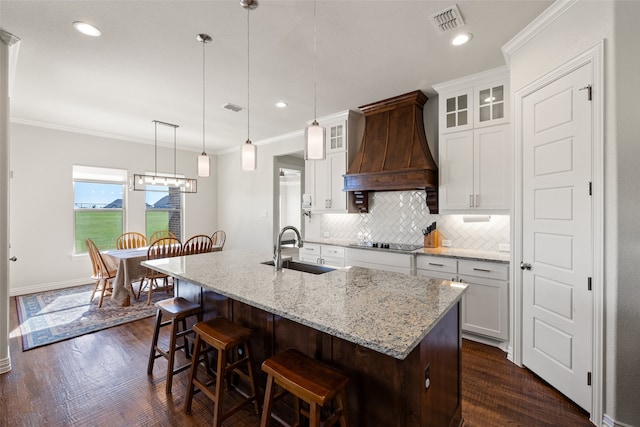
(485, 303)
(379, 260)
(322, 254)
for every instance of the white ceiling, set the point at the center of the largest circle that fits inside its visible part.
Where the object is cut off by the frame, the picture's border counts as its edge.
(148, 65)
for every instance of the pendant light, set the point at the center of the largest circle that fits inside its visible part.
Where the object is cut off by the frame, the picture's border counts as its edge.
(249, 153)
(156, 182)
(203, 159)
(314, 147)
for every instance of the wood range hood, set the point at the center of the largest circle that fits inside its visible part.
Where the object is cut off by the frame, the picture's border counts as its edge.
(394, 154)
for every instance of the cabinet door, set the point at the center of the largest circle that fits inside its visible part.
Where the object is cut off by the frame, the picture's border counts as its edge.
(491, 104)
(309, 253)
(337, 164)
(492, 168)
(436, 274)
(456, 171)
(484, 307)
(456, 111)
(310, 182)
(336, 136)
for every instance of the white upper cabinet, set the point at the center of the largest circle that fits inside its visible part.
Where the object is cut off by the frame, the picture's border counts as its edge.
(491, 103)
(475, 144)
(457, 108)
(324, 179)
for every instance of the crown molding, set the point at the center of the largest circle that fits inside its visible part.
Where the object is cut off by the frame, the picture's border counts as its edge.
(545, 19)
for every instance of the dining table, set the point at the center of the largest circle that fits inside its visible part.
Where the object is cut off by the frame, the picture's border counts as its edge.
(129, 271)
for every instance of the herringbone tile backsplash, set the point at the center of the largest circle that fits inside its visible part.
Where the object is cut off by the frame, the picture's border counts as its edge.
(400, 216)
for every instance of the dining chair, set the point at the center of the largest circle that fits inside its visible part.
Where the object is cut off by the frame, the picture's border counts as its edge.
(101, 273)
(161, 248)
(197, 244)
(161, 234)
(218, 238)
(131, 240)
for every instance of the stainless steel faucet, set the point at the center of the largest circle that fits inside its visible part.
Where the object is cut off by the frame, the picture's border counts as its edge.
(277, 251)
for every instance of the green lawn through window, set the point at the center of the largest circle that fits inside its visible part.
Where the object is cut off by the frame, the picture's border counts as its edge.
(104, 227)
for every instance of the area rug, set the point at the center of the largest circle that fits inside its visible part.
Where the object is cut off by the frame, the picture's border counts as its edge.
(53, 316)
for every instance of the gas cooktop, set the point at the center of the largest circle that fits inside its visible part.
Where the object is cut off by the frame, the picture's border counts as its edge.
(384, 245)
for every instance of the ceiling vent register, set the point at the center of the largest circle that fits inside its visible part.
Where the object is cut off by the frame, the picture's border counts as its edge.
(447, 19)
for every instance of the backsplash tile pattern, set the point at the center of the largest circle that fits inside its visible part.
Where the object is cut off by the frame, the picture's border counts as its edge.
(399, 217)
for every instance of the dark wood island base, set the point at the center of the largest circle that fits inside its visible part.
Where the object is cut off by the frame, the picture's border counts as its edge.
(383, 390)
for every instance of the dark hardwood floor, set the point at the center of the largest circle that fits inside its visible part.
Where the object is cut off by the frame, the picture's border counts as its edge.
(100, 379)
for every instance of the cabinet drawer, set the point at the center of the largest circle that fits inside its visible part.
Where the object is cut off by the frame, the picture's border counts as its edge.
(442, 264)
(487, 270)
(332, 251)
(382, 258)
(310, 249)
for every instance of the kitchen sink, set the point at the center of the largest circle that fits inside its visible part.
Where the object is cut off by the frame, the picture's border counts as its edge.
(302, 266)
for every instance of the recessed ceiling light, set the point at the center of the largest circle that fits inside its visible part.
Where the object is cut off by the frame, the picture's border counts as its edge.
(281, 104)
(461, 39)
(87, 29)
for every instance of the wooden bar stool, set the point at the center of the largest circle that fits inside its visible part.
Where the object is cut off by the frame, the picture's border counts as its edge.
(308, 380)
(177, 310)
(222, 335)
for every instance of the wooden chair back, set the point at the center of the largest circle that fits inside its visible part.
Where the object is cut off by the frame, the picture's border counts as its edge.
(101, 273)
(161, 234)
(197, 244)
(164, 248)
(131, 240)
(218, 238)
(100, 270)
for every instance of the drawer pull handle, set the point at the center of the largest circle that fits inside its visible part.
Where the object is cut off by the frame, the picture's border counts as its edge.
(437, 265)
(481, 269)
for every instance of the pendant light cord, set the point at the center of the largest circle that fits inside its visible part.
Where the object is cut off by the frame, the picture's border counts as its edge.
(248, 77)
(315, 60)
(203, 93)
(155, 124)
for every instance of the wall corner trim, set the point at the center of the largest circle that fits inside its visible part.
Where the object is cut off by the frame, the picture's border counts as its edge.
(550, 14)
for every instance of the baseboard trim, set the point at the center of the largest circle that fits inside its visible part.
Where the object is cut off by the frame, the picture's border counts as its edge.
(5, 364)
(502, 345)
(607, 421)
(23, 290)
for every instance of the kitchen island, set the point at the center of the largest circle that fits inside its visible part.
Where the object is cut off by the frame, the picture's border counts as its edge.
(389, 332)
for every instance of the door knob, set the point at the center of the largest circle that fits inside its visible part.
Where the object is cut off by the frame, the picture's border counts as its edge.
(13, 259)
(525, 266)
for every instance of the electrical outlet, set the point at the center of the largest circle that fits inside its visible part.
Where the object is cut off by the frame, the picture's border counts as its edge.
(504, 247)
(446, 243)
(325, 234)
(427, 376)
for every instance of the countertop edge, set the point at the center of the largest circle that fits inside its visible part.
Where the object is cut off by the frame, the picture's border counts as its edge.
(456, 253)
(399, 352)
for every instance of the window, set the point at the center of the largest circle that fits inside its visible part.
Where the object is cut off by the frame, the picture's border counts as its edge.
(98, 206)
(163, 210)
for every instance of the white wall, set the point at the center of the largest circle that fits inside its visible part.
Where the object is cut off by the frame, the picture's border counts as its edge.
(246, 197)
(41, 200)
(583, 26)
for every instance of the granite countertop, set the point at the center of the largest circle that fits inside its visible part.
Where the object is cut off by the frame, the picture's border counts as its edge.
(384, 311)
(459, 253)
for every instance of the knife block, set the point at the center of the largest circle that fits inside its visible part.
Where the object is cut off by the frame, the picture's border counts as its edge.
(432, 240)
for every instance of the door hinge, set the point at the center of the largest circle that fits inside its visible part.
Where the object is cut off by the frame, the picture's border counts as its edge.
(588, 378)
(589, 90)
(590, 188)
(588, 283)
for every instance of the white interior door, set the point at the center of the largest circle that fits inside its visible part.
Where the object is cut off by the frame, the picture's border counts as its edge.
(557, 244)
